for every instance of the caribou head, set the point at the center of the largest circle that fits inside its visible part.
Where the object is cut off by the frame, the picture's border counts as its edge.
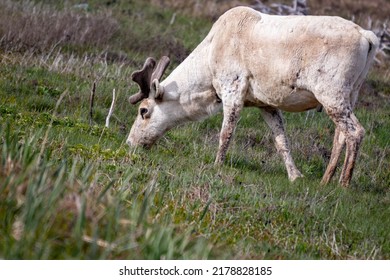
(185, 95)
(147, 127)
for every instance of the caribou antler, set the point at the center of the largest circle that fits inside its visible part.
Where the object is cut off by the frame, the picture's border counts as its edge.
(146, 75)
(162, 65)
(142, 78)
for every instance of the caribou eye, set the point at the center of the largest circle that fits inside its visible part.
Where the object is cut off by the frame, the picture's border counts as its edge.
(142, 112)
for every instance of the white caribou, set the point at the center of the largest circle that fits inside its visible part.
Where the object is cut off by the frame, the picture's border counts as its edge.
(290, 63)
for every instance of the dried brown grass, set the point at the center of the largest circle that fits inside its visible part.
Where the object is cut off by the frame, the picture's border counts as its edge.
(377, 9)
(208, 8)
(29, 26)
(359, 9)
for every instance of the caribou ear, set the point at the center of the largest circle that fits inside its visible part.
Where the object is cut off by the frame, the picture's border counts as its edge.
(156, 90)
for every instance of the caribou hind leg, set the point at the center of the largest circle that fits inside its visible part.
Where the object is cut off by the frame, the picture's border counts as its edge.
(351, 132)
(354, 136)
(339, 140)
(338, 146)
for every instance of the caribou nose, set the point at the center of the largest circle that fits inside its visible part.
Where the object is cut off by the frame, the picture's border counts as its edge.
(128, 142)
(132, 143)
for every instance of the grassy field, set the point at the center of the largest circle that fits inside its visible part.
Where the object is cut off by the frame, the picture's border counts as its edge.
(71, 189)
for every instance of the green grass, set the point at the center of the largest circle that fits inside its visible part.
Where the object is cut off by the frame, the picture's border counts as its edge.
(71, 190)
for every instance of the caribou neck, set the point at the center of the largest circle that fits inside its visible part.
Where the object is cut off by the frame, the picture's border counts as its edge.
(190, 85)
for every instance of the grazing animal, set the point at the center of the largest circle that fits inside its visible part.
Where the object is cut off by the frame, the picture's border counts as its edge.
(290, 63)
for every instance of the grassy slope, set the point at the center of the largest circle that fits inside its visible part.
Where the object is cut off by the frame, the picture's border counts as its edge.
(69, 190)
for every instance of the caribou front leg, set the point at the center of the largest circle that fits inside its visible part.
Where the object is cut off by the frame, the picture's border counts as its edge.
(230, 118)
(273, 117)
(232, 95)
